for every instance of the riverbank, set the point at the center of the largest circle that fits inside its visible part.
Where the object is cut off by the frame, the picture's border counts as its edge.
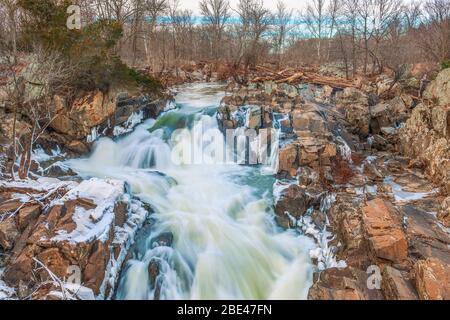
(343, 203)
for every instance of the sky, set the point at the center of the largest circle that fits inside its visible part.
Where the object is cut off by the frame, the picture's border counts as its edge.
(270, 4)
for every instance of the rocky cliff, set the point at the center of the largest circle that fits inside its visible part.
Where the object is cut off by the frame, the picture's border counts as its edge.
(348, 178)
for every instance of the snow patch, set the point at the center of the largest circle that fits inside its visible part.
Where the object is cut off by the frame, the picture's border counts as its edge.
(92, 224)
(124, 237)
(404, 196)
(6, 293)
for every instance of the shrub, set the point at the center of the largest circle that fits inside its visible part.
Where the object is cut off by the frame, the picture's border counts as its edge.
(90, 51)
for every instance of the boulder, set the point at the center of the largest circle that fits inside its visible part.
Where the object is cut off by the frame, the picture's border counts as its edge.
(27, 215)
(359, 118)
(288, 159)
(90, 228)
(309, 121)
(440, 117)
(425, 236)
(396, 285)
(439, 90)
(343, 284)
(432, 279)
(444, 212)
(386, 238)
(8, 233)
(291, 201)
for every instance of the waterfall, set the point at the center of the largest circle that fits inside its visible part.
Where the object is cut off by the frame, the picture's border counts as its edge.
(225, 243)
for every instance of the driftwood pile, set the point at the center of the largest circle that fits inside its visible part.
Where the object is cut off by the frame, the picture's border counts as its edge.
(296, 76)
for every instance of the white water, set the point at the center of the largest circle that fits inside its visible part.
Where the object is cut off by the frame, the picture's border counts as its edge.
(226, 244)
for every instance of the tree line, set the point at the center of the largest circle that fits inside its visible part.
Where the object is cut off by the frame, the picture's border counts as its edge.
(358, 35)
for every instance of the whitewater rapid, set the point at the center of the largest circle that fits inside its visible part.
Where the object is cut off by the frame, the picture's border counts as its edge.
(226, 244)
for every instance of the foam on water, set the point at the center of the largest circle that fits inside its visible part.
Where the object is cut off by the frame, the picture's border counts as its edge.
(225, 242)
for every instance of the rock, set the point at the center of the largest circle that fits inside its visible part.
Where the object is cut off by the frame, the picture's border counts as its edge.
(346, 220)
(440, 118)
(354, 95)
(78, 232)
(55, 261)
(386, 239)
(388, 130)
(163, 240)
(10, 206)
(439, 89)
(432, 279)
(288, 160)
(388, 114)
(292, 200)
(426, 238)
(8, 233)
(308, 121)
(57, 170)
(396, 286)
(121, 211)
(343, 284)
(254, 117)
(27, 215)
(359, 118)
(95, 271)
(444, 212)
(77, 146)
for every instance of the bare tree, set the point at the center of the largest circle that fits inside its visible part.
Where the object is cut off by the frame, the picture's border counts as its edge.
(255, 21)
(283, 24)
(333, 15)
(435, 35)
(30, 94)
(412, 13)
(316, 22)
(216, 13)
(350, 13)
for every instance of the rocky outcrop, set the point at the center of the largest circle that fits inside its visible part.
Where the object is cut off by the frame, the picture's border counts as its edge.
(432, 279)
(343, 284)
(65, 230)
(101, 112)
(425, 136)
(383, 231)
(339, 172)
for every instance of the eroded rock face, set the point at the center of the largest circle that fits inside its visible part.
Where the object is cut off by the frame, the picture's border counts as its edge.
(86, 230)
(101, 110)
(396, 285)
(292, 201)
(432, 279)
(386, 238)
(438, 90)
(343, 284)
(425, 137)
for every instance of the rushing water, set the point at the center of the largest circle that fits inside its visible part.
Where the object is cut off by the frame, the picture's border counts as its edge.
(225, 242)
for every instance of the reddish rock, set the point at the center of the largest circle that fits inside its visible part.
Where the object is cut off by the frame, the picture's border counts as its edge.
(432, 279)
(27, 215)
(10, 206)
(343, 284)
(8, 233)
(94, 272)
(396, 286)
(55, 262)
(384, 234)
(288, 160)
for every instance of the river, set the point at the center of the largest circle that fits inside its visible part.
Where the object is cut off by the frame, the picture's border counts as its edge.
(226, 244)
